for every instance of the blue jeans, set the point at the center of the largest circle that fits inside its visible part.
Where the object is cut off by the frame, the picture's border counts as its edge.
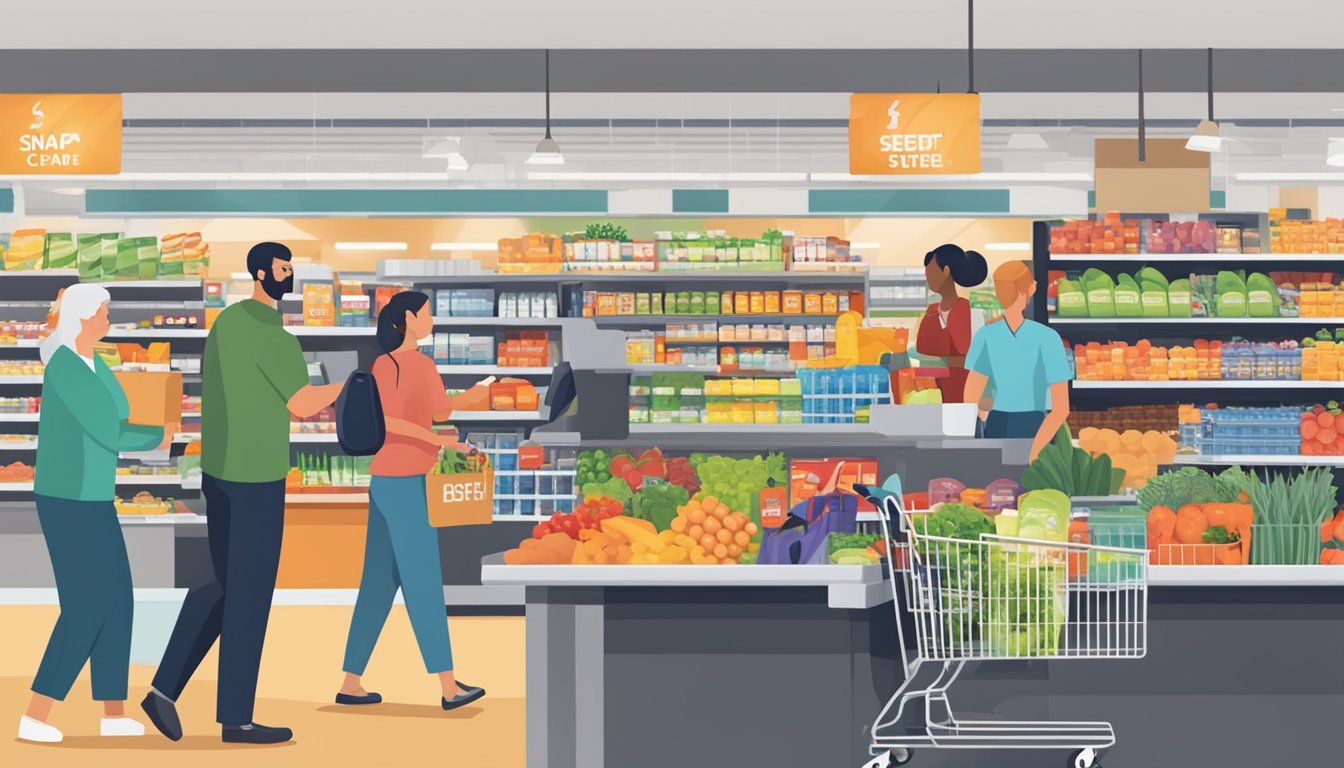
(93, 583)
(1006, 424)
(401, 550)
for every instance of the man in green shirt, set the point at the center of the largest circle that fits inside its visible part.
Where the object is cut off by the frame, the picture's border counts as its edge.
(254, 377)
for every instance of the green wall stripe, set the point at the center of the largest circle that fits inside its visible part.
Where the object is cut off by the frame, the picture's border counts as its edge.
(699, 201)
(1217, 198)
(1091, 199)
(908, 201)
(6, 200)
(345, 201)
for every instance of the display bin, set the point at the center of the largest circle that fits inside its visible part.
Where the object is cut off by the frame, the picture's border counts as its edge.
(1122, 526)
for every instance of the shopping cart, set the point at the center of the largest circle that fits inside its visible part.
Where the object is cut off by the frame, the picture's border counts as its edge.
(1001, 598)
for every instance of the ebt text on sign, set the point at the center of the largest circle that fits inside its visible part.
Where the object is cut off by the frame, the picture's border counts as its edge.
(914, 133)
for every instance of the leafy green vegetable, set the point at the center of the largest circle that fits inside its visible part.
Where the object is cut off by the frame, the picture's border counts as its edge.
(606, 231)
(955, 521)
(614, 488)
(1187, 485)
(1218, 534)
(658, 504)
(1071, 470)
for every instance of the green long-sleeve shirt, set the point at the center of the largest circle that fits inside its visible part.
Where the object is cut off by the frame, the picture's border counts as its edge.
(82, 429)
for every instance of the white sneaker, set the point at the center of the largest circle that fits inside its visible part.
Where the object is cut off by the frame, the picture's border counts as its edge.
(38, 731)
(121, 726)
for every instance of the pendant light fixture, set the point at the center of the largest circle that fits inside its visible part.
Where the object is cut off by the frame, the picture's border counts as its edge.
(1334, 153)
(1206, 137)
(548, 152)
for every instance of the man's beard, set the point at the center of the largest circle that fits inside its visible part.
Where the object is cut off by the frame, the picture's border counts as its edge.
(277, 289)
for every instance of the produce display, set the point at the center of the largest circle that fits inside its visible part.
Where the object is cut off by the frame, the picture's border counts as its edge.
(325, 472)
(855, 548)
(1144, 418)
(1150, 293)
(1289, 515)
(20, 404)
(1201, 361)
(1138, 454)
(658, 503)
(1200, 534)
(14, 331)
(1111, 234)
(16, 472)
(739, 482)
(145, 503)
(107, 256)
(586, 516)
(1332, 540)
(1072, 471)
(21, 368)
(1320, 428)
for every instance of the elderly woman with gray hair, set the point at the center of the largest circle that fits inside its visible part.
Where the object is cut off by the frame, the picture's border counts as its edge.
(81, 430)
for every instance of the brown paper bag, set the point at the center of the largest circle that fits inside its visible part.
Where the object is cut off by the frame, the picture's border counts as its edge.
(155, 398)
(461, 499)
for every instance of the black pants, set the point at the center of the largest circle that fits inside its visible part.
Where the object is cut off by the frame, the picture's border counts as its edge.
(245, 523)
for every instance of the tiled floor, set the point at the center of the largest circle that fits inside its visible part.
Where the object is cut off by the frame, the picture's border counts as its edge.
(299, 676)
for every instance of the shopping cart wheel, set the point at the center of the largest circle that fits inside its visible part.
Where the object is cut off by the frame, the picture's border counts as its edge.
(897, 756)
(1084, 758)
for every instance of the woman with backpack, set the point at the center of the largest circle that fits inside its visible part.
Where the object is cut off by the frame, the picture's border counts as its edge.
(401, 549)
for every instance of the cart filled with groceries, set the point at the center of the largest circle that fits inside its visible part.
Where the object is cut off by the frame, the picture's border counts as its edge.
(1009, 587)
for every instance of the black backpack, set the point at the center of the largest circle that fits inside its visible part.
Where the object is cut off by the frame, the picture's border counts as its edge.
(359, 416)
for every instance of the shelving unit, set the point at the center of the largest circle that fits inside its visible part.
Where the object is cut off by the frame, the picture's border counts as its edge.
(638, 321)
(1260, 460)
(1180, 324)
(1156, 259)
(1253, 384)
(493, 370)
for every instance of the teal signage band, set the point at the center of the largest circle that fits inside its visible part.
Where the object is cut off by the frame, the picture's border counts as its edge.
(6, 200)
(354, 202)
(858, 201)
(700, 201)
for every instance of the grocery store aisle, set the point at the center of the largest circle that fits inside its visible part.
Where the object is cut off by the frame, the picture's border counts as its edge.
(299, 676)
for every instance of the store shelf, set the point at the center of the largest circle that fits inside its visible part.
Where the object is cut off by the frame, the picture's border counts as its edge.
(502, 322)
(18, 445)
(173, 480)
(1156, 259)
(1215, 384)
(1180, 322)
(471, 417)
(735, 342)
(23, 418)
(1245, 576)
(708, 370)
(326, 498)
(710, 431)
(339, 332)
(114, 284)
(171, 518)
(20, 380)
(493, 370)
(1260, 460)
(728, 319)
(312, 437)
(700, 275)
(16, 487)
(156, 333)
(21, 344)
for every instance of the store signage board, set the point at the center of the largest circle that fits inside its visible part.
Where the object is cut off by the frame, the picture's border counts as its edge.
(914, 134)
(60, 134)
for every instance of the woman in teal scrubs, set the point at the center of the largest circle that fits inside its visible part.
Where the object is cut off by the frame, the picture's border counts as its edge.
(1026, 362)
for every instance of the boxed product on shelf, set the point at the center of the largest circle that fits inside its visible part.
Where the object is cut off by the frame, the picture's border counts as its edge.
(608, 249)
(715, 250)
(13, 332)
(1241, 431)
(21, 368)
(322, 422)
(1162, 418)
(319, 304)
(843, 395)
(61, 251)
(525, 349)
(535, 304)
(355, 305)
(534, 253)
(1298, 236)
(23, 405)
(318, 471)
(509, 394)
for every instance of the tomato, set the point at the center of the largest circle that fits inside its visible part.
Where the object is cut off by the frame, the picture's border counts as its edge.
(541, 529)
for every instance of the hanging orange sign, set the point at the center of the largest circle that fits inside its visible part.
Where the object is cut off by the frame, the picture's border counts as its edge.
(911, 134)
(51, 134)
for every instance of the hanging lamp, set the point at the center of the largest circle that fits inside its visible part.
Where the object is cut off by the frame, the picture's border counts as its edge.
(547, 152)
(1206, 137)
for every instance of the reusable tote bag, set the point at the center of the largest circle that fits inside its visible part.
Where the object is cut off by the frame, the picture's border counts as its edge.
(461, 490)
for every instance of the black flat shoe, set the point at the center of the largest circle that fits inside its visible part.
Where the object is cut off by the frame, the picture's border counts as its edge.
(469, 694)
(353, 700)
(256, 734)
(162, 713)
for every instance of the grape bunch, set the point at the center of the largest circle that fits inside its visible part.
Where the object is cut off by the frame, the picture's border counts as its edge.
(738, 482)
(593, 467)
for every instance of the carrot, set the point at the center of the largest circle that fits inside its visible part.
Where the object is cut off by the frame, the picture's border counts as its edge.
(1218, 514)
(1327, 531)
(1229, 554)
(1332, 556)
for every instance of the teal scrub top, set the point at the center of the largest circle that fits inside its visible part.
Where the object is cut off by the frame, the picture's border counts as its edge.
(1021, 366)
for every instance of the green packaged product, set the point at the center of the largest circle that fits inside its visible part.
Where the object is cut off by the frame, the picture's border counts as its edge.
(1100, 288)
(90, 256)
(1153, 285)
(61, 251)
(670, 303)
(684, 303)
(698, 303)
(1179, 298)
(111, 242)
(128, 258)
(712, 303)
(1072, 301)
(1203, 296)
(1127, 297)
(1262, 296)
(148, 256)
(1231, 295)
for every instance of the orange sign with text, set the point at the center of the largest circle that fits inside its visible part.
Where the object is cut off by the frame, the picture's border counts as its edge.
(49, 134)
(912, 134)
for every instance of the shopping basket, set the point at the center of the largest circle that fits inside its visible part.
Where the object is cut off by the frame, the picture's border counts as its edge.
(1001, 598)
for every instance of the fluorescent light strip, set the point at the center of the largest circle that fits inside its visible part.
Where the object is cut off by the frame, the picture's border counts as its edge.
(1271, 176)
(464, 247)
(371, 246)
(1003, 178)
(1007, 246)
(662, 176)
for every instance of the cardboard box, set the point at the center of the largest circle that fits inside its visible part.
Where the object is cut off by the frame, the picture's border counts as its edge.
(155, 398)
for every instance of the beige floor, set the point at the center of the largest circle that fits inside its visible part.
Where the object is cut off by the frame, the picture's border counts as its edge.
(299, 676)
